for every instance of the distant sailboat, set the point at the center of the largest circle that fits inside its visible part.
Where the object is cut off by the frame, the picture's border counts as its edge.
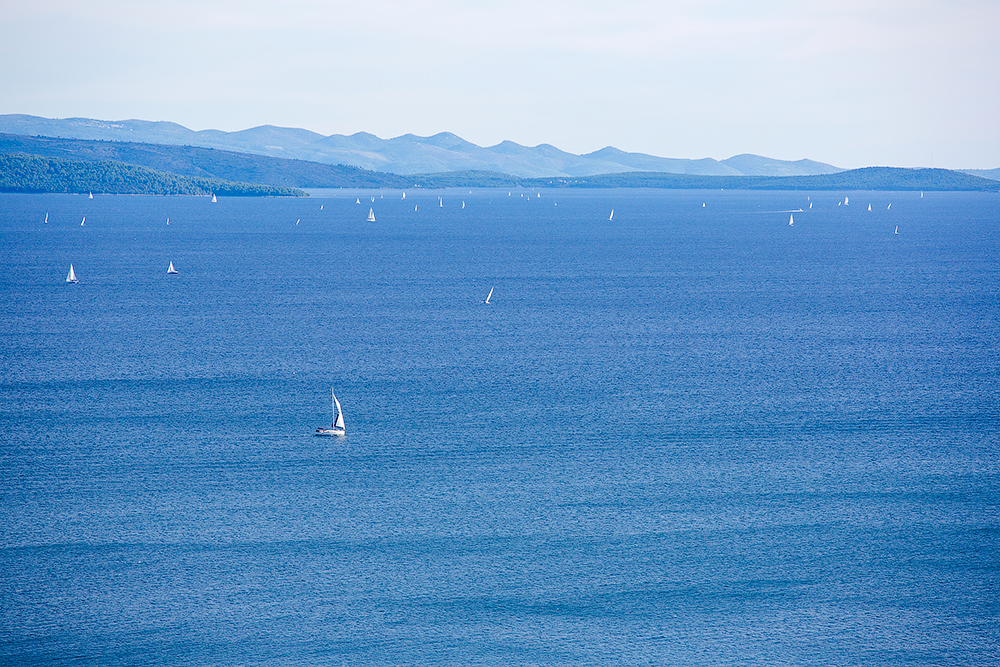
(489, 296)
(371, 215)
(869, 207)
(171, 269)
(373, 199)
(847, 200)
(703, 204)
(463, 204)
(71, 278)
(404, 195)
(810, 204)
(440, 203)
(889, 206)
(921, 194)
(896, 231)
(358, 201)
(321, 207)
(298, 221)
(338, 419)
(46, 218)
(168, 221)
(611, 217)
(83, 221)
(214, 198)
(791, 219)
(90, 195)
(414, 207)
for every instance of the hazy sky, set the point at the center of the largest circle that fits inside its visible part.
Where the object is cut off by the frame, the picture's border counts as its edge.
(853, 83)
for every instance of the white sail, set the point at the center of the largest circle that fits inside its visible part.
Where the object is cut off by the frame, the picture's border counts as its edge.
(168, 221)
(321, 207)
(371, 215)
(358, 201)
(897, 230)
(71, 278)
(889, 206)
(46, 218)
(214, 199)
(373, 199)
(869, 207)
(90, 195)
(489, 296)
(847, 200)
(440, 202)
(404, 195)
(83, 221)
(463, 204)
(610, 217)
(339, 412)
(791, 219)
(171, 269)
(810, 204)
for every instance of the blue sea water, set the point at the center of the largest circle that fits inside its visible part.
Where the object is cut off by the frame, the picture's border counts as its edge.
(690, 435)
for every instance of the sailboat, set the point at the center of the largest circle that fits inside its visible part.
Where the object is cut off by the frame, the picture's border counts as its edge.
(338, 419)
(90, 195)
(489, 296)
(847, 201)
(869, 207)
(71, 278)
(896, 231)
(171, 268)
(440, 203)
(168, 221)
(214, 198)
(791, 219)
(358, 201)
(371, 215)
(610, 217)
(810, 204)
(889, 206)
(83, 221)
(404, 195)
(46, 218)
(463, 204)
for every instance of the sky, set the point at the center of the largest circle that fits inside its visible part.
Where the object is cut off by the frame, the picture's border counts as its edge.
(906, 83)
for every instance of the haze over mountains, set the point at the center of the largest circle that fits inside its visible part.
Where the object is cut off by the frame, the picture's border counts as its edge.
(407, 154)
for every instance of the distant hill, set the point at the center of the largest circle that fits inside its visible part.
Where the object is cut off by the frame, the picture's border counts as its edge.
(406, 154)
(235, 171)
(196, 162)
(869, 178)
(32, 173)
(992, 174)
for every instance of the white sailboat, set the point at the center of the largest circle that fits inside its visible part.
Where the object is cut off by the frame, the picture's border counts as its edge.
(896, 231)
(338, 419)
(611, 217)
(71, 278)
(214, 198)
(83, 221)
(869, 207)
(847, 200)
(371, 215)
(404, 195)
(463, 204)
(90, 195)
(889, 206)
(791, 219)
(168, 221)
(810, 204)
(171, 269)
(440, 203)
(489, 296)
(358, 200)
(46, 218)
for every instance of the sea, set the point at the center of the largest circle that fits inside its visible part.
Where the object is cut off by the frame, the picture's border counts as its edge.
(715, 428)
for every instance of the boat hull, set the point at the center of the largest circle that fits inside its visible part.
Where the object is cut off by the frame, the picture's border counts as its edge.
(330, 431)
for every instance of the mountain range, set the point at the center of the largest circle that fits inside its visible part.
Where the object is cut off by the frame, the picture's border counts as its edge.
(406, 154)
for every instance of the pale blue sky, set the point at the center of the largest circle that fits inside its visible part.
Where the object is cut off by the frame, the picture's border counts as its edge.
(881, 82)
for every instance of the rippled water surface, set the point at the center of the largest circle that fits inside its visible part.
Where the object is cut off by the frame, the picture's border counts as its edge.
(690, 435)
